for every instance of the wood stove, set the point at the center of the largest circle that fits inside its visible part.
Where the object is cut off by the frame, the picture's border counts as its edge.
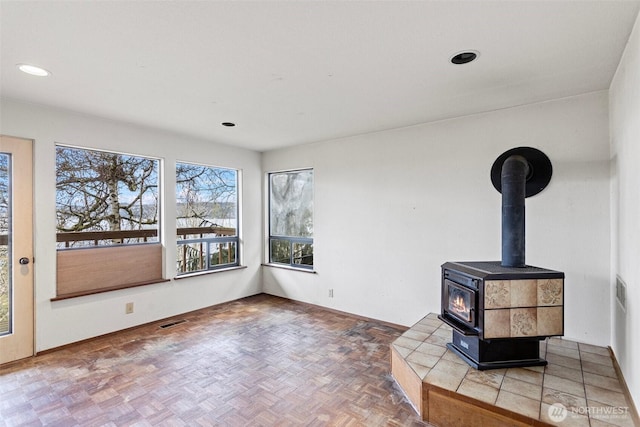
(499, 314)
(501, 310)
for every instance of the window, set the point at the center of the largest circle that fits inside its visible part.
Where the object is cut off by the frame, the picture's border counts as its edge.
(207, 218)
(107, 210)
(291, 218)
(5, 248)
(105, 198)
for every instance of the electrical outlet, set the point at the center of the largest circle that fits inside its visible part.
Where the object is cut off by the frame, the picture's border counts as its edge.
(330, 293)
(128, 308)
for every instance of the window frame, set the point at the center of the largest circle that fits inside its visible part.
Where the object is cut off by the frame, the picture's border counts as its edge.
(292, 240)
(91, 269)
(207, 242)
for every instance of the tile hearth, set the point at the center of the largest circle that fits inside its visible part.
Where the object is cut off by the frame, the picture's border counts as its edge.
(444, 390)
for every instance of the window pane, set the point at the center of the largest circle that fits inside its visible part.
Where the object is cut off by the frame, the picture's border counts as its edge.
(5, 253)
(280, 251)
(291, 204)
(207, 208)
(222, 254)
(105, 198)
(303, 253)
(191, 257)
(207, 201)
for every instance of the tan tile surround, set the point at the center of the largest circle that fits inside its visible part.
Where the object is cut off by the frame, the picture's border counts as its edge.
(443, 388)
(520, 308)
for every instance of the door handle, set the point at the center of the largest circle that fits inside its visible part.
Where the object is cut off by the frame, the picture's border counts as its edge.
(24, 261)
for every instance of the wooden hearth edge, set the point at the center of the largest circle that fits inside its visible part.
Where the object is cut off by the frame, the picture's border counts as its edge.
(632, 407)
(437, 405)
(449, 408)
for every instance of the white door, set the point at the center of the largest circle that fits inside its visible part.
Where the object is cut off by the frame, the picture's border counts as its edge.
(16, 249)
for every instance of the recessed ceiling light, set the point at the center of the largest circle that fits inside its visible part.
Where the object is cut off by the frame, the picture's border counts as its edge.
(33, 70)
(228, 124)
(464, 57)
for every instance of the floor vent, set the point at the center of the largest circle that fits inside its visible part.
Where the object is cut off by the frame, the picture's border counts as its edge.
(172, 324)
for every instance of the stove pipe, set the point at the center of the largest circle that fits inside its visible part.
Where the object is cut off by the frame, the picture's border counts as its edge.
(513, 180)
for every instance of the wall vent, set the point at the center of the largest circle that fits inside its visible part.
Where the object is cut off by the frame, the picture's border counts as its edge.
(621, 293)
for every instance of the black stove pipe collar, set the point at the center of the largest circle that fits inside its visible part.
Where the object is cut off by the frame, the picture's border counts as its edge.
(513, 179)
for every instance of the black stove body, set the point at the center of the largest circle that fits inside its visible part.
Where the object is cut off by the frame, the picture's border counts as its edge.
(498, 314)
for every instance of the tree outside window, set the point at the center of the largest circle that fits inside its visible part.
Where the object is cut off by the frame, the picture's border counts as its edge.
(105, 198)
(291, 218)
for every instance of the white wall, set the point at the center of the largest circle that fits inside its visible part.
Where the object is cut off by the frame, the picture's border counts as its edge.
(391, 207)
(62, 322)
(624, 104)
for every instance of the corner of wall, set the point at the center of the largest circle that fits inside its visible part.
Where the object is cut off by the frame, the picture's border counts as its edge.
(624, 129)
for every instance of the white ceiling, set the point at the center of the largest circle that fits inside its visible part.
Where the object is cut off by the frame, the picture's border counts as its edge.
(294, 72)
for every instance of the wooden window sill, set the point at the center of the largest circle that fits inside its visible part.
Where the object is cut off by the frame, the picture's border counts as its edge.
(109, 289)
(286, 267)
(205, 272)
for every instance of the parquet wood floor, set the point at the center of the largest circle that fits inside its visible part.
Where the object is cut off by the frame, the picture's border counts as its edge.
(259, 361)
